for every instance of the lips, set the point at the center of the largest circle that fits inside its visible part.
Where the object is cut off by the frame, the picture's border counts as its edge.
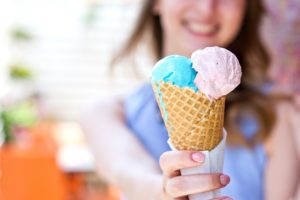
(201, 29)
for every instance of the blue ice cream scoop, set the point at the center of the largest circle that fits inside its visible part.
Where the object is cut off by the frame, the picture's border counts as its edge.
(176, 70)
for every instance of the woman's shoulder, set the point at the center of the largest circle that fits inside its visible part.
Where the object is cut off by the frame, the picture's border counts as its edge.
(289, 113)
(286, 111)
(283, 151)
(285, 127)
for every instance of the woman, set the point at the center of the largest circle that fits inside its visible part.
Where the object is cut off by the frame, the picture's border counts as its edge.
(128, 136)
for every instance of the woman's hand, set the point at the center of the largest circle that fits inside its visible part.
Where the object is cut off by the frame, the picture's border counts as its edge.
(178, 187)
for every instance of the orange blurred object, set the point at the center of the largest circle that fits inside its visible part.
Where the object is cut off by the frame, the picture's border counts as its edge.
(29, 172)
(114, 193)
(79, 188)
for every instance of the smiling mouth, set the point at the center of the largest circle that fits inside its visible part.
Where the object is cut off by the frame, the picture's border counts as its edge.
(202, 29)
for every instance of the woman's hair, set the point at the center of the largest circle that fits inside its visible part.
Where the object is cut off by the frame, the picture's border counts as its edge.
(247, 99)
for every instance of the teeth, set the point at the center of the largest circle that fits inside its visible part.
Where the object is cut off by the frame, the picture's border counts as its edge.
(201, 28)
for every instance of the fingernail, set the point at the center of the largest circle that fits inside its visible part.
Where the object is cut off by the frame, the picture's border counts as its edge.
(198, 157)
(224, 179)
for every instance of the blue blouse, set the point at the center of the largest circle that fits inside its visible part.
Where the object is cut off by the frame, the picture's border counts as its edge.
(245, 166)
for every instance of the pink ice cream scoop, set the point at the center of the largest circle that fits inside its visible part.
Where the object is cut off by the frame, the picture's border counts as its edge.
(218, 71)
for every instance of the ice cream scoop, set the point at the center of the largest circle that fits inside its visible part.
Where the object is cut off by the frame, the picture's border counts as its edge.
(175, 69)
(218, 71)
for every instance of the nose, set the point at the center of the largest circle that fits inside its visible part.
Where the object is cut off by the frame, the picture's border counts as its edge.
(206, 7)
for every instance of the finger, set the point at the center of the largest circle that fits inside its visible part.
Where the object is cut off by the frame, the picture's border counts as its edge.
(168, 197)
(172, 161)
(178, 198)
(222, 198)
(191, 184)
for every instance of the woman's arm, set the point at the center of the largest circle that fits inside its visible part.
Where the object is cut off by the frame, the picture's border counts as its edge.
(283, 169)
(295, 119)
(121, 159)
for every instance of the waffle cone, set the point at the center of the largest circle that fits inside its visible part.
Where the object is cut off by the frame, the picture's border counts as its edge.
(193, 121)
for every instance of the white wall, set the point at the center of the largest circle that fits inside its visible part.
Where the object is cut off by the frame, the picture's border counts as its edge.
(5, 22)
(70, 58)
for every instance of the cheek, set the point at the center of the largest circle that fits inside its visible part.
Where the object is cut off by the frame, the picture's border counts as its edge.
(171, 17)
(232, 20)
(172, 12)
(233, 23)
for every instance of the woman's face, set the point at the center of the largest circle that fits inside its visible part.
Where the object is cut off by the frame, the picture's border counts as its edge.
(192, 24)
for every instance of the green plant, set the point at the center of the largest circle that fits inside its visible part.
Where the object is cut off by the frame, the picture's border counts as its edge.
(21, 34)
(20, 71)
(91, 14)
(20, 115)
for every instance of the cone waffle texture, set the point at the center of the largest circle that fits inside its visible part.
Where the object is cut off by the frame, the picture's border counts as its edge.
(193, 121)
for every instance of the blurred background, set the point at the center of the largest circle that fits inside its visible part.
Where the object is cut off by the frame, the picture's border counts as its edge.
(55, 58)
